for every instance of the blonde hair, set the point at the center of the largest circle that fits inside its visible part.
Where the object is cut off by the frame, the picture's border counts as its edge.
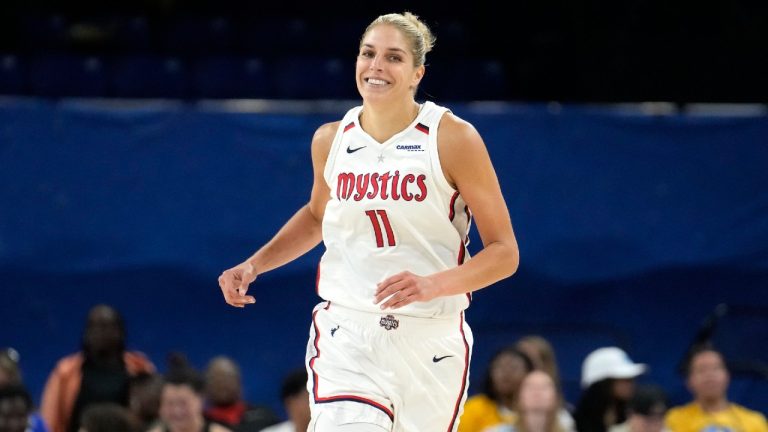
(553, 421)
(416, 31)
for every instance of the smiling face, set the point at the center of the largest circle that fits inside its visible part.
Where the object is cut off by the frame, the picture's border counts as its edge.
(385, 66)
(180, 407)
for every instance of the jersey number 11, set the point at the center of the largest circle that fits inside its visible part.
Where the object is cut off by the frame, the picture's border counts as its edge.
(374, 216)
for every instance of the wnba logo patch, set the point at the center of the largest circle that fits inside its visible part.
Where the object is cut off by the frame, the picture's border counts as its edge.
(389, 322)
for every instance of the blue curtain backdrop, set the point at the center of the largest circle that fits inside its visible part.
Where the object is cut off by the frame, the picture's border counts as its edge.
(632, 228)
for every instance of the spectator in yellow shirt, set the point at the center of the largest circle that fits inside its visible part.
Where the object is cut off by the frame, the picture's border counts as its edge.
(710, 410)
(495, 406)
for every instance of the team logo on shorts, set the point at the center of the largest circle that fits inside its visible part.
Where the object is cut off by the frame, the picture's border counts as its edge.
(389, 322)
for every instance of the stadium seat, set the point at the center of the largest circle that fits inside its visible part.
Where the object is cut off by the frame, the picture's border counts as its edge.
(12, 75)
(59, 75)
(198, 35)
(466, 79)
(44, 32)
(132, 34)
(230, 77)
(276, 36)
(150, 76)
(313, 77)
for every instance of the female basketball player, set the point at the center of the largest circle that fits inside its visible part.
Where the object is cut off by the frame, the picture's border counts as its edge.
(396, 184)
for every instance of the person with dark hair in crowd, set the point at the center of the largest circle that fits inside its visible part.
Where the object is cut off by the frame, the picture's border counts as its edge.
(99, 372)
(608, 379)
(11, 378)
(144, 399)
(108, 417)
(224, 397)
(645, 411)
(295, 397)
(708, 379)
(181, 400)
(16, 409)
(495, 406)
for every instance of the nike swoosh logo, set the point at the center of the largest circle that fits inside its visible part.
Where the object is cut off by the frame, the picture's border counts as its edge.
(437, 359)
(351, 150)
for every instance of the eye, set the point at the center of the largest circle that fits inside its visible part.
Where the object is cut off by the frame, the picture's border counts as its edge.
(395, 58)
(366, 53)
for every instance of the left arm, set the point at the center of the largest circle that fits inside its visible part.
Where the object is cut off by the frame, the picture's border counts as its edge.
(467, 166)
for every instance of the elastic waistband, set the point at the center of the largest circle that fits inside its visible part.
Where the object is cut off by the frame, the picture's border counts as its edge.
(398, 325)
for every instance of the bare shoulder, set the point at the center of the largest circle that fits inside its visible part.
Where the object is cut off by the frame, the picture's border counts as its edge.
(455, 133)
(218, 428)
(324, 135)
(460, 147)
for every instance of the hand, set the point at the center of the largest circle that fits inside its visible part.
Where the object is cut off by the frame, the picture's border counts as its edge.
(405, 288)
(234, 284)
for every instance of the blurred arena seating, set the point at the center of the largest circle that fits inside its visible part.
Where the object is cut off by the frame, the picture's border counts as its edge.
(576, 52)
(210, 55)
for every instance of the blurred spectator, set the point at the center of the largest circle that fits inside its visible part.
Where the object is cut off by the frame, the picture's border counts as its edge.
(108, 417)
(16, 409)
(10, 374)
(541, 353)
(11, 378)
(608, 379)
(710, 410)
(495, 406)
(539, 405)
(100, 372)
(542, 356)
(225, 404)
(181, 400)
(646, 411)
(295, 398)
(144, 399)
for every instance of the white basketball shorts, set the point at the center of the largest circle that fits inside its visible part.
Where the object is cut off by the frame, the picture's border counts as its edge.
(404, 373)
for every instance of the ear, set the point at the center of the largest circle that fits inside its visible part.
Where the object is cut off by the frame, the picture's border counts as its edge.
(418, 75)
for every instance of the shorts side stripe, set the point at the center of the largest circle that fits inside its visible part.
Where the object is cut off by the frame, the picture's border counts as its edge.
(338, 398)
(464, 376)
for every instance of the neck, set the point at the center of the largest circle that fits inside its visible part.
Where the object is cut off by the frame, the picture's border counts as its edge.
(713, 404)
(507, 402)
(106, 357)
(196, 425)
(536, 421)
(382, 122)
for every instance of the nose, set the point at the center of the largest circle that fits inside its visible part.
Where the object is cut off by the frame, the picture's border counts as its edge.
(374, 65)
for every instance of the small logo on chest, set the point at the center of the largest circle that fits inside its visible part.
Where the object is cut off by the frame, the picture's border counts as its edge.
(410, 147)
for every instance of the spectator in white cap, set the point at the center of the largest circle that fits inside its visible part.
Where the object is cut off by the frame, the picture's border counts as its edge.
(608, 382)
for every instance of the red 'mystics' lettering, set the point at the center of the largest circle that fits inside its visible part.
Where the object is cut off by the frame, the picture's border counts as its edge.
(394, 186)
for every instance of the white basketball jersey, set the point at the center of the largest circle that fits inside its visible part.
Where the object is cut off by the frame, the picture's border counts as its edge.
(391, 210)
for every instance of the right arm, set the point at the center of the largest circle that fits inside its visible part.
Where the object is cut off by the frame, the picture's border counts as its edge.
(299, 235)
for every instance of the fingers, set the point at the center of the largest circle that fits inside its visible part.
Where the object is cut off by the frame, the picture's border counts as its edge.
(242, 301)
(400, 288)
(234, 289)
(402, 298)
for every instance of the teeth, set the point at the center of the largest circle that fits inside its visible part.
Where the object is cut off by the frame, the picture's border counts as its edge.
(376, 81)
